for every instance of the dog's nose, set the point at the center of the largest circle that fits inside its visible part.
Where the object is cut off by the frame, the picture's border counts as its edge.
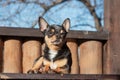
(58, 36)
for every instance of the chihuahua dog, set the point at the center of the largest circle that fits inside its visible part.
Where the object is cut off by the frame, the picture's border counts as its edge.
(57, 56)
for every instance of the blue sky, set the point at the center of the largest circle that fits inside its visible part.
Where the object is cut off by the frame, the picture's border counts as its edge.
(27, 14)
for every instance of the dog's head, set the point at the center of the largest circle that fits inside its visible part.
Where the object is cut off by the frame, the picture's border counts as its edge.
(55, 35)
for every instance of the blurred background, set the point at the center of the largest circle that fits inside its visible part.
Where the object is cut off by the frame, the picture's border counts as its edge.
(84, 14)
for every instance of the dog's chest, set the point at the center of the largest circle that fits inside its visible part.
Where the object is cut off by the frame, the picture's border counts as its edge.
(52, 54)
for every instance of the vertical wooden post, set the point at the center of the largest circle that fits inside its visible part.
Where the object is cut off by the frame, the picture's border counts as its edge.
(72, 44)
(91, 57)
(112, 24)
(1, 54)
(31, 51)
(12, 56)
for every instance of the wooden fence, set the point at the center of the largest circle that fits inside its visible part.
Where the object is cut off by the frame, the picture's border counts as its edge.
(19, 47)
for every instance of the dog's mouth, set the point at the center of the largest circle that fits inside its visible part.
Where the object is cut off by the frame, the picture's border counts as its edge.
(56, 42)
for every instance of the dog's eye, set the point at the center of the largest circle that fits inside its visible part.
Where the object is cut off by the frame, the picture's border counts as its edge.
(50, 33)
(62, 32)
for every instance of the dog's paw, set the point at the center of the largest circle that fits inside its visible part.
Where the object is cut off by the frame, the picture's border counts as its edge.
(33, 72)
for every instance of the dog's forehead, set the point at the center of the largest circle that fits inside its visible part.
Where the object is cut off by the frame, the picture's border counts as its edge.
(57, 27)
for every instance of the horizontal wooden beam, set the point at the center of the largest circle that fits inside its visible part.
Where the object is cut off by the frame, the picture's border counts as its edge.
(55, 76)
(30, 32)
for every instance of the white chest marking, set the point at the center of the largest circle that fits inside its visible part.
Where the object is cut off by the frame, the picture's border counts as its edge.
(53, 53)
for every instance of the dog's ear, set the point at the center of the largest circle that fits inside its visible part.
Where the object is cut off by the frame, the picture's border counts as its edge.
(42, 24)
(66, 24)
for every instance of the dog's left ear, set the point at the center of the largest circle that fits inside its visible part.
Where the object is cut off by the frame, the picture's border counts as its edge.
(42, 24)
(66, 24)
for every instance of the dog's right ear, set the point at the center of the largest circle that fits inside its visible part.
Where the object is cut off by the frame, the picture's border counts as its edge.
(42, 24)
(66, 24)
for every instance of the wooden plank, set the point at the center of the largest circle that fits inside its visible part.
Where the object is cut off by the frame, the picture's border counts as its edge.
(12, 58)
(73, 46)
(31, 51)
(112, 23)
(24, 32)
(56, 76)
(90, 57)
(107, 13)
(29, 32)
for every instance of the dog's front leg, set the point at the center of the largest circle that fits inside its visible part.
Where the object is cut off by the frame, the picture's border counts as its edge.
(44, 69)
(62, 66)
(36, 66)
(61, 70)
(46, 66)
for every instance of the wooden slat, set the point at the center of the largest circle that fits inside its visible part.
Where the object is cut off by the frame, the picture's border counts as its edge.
(22, 32)
(29, 32)
(56, 76)
(12, 59)
(31, 51)
(73, 46)
(91, 57)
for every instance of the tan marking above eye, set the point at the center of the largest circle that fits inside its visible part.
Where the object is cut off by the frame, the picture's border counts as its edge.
(61, 31)
(52, 30)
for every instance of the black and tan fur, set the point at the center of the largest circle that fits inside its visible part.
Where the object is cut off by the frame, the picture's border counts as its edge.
(57, 56)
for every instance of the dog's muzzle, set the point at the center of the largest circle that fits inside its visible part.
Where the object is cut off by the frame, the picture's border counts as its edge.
(56, 42)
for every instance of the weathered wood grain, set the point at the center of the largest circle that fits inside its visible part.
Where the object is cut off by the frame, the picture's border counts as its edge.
(29, 32)
(73, 46)
(90, 57)
(31, 51)
(58, 76)
(112, 23)
(12, 56)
